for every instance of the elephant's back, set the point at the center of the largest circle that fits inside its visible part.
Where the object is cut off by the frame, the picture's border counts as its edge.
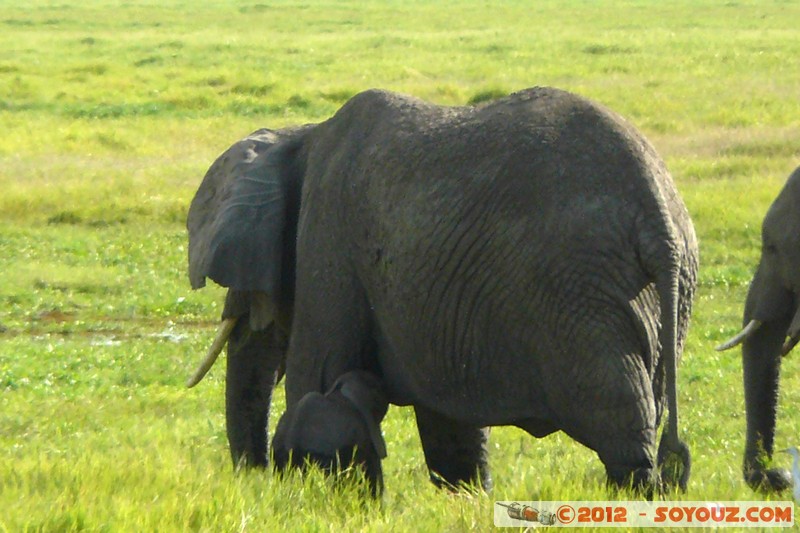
(541, 165)
(538, 148)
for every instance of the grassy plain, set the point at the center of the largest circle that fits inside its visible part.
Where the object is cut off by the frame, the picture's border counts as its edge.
(110, 113)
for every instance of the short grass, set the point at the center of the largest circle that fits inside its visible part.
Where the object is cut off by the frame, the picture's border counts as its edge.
(111, 112)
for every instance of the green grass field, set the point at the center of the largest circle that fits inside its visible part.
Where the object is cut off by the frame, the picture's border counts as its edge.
(111, 112)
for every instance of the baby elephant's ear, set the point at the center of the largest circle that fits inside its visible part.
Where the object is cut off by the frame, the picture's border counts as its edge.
(366, 393)
(238, 216)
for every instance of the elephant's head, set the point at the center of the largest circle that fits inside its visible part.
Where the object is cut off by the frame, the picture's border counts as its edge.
(337, 429)
(242, 226)
(771, 330)
(242, 231)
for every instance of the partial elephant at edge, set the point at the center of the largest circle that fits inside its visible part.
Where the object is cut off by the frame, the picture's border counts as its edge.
(771, 329)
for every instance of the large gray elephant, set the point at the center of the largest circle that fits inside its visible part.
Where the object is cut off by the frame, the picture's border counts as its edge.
(771, 328)
(525, 262)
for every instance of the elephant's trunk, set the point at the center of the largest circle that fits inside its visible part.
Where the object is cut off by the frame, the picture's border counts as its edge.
(254, 361)
(223, 333)
(771, 304)
(761, 362)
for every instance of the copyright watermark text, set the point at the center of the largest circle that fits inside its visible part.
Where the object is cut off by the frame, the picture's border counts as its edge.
(643, 514)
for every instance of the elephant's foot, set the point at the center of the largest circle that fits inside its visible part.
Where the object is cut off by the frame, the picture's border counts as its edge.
(641, 480)
(675, 465)
(456, 454)
(630, 465)
(767, 479)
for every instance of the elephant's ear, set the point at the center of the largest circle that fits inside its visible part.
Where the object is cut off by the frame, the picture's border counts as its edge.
(365, 392)
(237, 219)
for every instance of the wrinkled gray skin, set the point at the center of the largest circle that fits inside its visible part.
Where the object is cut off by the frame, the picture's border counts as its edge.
(772, 302)
(336, 430)
(527, 262)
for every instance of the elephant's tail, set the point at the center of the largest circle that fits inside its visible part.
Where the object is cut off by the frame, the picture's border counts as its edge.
(671, 447)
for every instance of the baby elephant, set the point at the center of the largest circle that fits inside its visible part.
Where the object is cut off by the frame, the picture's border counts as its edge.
(337, 429)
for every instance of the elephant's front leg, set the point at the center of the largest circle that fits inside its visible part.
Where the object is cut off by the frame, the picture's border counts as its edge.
(253, 361)
(456, 453)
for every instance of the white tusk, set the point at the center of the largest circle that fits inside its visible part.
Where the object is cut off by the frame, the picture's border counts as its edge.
(223, 333)
(748, 330)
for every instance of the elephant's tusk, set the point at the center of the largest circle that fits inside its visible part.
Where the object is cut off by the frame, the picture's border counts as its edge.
(790, 343)
(223, 333)
(793, 334)
(748, 330)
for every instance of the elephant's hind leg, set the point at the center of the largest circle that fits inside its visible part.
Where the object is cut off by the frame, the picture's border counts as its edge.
(456, 453)
(612, 411)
